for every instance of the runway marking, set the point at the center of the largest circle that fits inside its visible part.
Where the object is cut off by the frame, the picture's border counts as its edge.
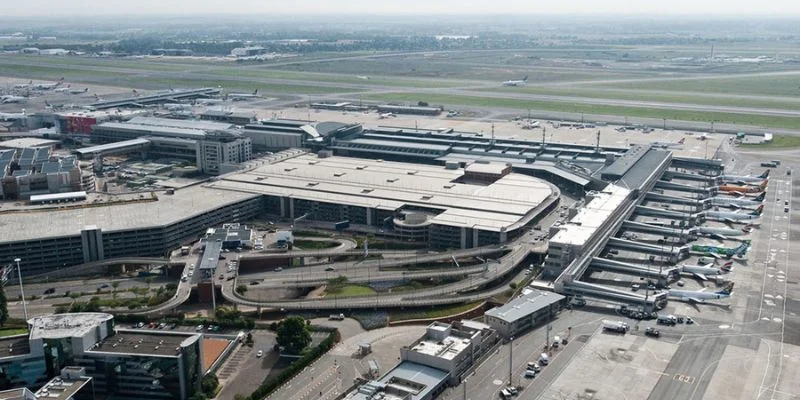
(683, 378)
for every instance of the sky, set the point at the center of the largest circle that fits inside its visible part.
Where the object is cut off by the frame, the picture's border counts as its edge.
(400, 7)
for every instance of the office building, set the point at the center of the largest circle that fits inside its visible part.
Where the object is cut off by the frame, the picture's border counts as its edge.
(85, 353)
(524, 313)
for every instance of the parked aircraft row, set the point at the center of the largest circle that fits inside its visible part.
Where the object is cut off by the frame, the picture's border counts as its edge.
(520, 82)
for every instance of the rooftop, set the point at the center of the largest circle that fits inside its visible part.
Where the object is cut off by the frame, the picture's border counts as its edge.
(158, 343)
(393, 185)
(22, 143)
(58, 326)
(167, 209)
(592, 216)
(61, 389)
(523, 306)
(486, 168)
(408, 378)
(17, 394)
(182, 123)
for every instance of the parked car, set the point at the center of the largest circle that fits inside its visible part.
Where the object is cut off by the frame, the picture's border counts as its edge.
(650, 331)
(50, 291)
(199, 328)
(260, 353)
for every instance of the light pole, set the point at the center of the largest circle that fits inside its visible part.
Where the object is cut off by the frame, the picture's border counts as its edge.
(510, 360)
(21, 290)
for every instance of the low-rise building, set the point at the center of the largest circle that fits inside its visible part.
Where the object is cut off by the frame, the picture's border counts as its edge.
(525, 312)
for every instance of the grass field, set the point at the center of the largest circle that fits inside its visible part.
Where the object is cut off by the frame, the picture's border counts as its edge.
(640, 95)
(352, 290)
(772, 85)
(643, 112)
(778, 142)
(12, 331)
(440, 312)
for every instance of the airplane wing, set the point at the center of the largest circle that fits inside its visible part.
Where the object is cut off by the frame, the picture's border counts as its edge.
(695, 300)
(730, 220)
(700, 276)
(718, 236)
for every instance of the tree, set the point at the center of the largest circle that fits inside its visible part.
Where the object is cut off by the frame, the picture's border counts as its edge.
(208, 385)
(293, 335)
(114, 285)
(241, 289)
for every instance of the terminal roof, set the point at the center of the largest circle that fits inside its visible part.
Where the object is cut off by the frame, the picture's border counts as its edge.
(524, 306)
(57, 326)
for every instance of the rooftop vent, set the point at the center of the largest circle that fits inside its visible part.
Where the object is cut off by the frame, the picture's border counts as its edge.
(338, 174)
(392, 180)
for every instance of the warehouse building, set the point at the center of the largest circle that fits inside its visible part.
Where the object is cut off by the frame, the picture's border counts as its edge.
(120, 364)
(230, 117)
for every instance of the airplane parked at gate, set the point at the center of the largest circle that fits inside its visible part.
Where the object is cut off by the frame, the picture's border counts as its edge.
(704, 271)
(725, 201)
(743, 189)
(243, 96)
(740, 250)
(700, 296)
(12, 99)
(744, 179)
(733, 217)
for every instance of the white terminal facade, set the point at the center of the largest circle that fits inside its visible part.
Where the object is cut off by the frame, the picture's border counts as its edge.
(574, 234)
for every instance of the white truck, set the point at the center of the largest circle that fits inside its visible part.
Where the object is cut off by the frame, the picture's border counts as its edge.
(336, 317)
(616, 326)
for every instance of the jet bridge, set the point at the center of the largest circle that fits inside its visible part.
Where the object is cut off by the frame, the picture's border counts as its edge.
(690, 177)
(674, 253)
(662, 274)
(655, 229)
(660, 212)
(681, 187)
(579, 288)
(665, 198)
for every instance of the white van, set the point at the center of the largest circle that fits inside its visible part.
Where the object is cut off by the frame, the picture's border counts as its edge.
(544, 359)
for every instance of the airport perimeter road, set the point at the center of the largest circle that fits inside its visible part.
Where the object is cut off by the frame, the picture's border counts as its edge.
(492, 375)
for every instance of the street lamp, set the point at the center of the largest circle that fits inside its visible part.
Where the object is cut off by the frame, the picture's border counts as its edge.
(21, 290)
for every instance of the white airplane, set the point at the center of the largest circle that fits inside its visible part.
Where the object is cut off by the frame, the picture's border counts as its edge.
(700, 296)
(12, 116)
(704, 271)
(726, 201)
(209, 102)
(78, 91)
(47, 86)
(521, 82)
(733, 217)
(745, 179)
(177, 107)
(721, 233)
(244, 96)
(12, 99)
(62, 89)
(23, 85)
(668, 145)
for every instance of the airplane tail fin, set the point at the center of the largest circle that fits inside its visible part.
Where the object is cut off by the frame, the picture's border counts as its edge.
(255, 92)
(761, 197)
(727, 266)
(764, 184)
(758, 210)
(525, 78)
(728, 289)
(765, 175)
(682, 141)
